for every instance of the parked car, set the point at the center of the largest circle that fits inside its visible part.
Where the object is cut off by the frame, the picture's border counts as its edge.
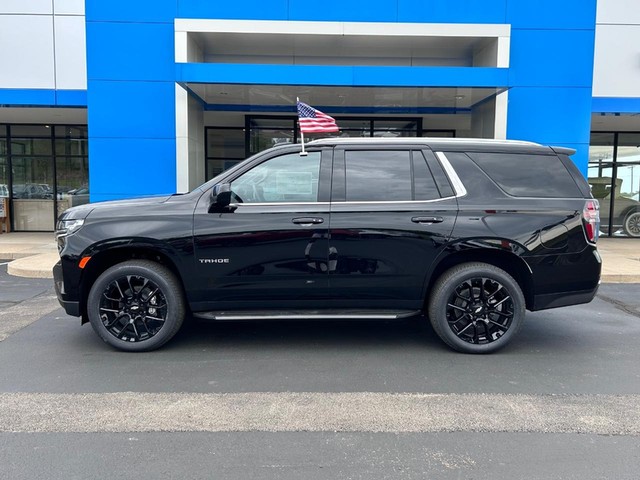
(39, 191)
(626, 211)
(469, 233)
(78, 196)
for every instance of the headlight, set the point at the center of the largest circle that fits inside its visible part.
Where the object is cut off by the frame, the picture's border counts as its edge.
(68, 227)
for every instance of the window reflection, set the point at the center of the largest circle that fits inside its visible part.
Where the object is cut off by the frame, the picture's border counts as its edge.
(614, 177)
(383, 175)
(288, 178)
(47, 164)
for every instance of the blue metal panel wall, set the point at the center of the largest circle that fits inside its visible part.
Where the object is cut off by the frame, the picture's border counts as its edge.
(131, 98)
(131, 72)
(551, 72)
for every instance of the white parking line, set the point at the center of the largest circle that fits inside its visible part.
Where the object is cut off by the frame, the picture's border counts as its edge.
(316, 412)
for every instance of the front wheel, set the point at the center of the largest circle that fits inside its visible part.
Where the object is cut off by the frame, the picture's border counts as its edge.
(632, 224)
(136, 306)
(476, 308)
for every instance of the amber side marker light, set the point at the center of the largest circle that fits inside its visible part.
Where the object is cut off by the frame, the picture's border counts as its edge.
(83, 262)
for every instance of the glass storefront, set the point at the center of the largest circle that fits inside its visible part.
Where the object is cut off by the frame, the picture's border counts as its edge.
(43, 171)
(226, 146)
(614, 176)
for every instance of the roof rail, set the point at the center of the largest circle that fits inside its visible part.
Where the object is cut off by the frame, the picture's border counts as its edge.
(404, 140)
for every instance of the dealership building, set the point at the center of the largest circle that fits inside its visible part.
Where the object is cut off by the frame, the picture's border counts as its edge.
(103, 100)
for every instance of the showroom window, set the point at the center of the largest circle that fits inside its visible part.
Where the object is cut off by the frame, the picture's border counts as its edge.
(226, 146)
(43, 170)
(614, 177)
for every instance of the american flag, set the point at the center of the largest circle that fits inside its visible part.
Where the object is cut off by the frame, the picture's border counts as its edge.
(314, 121)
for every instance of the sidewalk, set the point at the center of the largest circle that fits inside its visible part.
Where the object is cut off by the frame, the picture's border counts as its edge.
(31, 254)
(34, 255)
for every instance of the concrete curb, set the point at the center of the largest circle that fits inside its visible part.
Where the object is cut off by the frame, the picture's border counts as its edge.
(34, 266)
(620, 278)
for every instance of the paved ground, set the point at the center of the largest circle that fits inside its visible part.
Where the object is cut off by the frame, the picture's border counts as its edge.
(320, 400)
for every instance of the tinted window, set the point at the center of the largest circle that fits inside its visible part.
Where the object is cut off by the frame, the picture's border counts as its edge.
(424, 185)
(379, 175)
(438, 173)
(288, 178)
(528, 175)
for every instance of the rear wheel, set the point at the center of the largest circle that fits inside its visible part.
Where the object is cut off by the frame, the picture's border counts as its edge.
(632, 224)
(476, 308)
(136, 306)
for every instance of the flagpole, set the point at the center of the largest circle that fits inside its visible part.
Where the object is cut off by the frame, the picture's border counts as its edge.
(302, 153)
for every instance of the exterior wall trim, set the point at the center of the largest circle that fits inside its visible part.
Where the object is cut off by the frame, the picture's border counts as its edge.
(492, 30)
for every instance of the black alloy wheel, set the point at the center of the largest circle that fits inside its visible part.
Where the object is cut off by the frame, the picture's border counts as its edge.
(479, 310)
(133, 308)
(476, 308)
(136, 306)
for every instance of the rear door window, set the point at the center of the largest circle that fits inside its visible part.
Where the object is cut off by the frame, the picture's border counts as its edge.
(387, 176)
(526, 175)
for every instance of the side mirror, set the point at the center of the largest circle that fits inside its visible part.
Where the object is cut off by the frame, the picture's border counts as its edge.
(220, 198)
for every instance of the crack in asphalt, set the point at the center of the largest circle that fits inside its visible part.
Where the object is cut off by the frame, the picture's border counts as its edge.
(620, 305)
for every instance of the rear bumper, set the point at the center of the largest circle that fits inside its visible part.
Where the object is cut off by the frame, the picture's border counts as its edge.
(71, 306)
(553, 300)
(565, 279)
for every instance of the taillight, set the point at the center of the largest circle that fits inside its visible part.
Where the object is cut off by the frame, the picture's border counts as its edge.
(591, 220)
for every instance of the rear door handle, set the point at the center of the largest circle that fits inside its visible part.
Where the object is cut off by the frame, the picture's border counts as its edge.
(307, 220)
(427, 220)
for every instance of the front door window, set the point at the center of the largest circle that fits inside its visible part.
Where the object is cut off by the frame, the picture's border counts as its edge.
(286, 179)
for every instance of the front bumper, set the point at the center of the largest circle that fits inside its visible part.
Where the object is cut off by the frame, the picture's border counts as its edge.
(71, 306)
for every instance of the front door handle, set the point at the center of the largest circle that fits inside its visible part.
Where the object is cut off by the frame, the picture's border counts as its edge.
(427, 220)
(306, 221)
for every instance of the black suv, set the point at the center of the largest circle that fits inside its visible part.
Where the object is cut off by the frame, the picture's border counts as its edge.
(468, 232)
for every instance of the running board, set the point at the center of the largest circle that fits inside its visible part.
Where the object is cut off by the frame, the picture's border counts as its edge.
(334, 314)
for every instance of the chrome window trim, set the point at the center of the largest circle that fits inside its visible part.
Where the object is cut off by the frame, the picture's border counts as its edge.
(394, 202)
(375, 202)
(275, 204)
(458, 186)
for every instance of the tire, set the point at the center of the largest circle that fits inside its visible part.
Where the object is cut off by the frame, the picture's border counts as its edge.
(136, 306)
(632, 224)
(476, 308)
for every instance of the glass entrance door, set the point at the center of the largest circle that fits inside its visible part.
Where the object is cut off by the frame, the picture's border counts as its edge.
(32, 193)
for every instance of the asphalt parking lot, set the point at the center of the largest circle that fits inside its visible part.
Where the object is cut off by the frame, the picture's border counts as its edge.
(320, 400)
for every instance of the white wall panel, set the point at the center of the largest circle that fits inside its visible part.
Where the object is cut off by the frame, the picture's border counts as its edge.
(26, 52)
(624, 12)
(617, 61)
(68, 7)
(26, 6)
(70, 46)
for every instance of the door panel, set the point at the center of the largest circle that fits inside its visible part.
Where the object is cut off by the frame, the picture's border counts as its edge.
(380, 251)
(270, 249)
